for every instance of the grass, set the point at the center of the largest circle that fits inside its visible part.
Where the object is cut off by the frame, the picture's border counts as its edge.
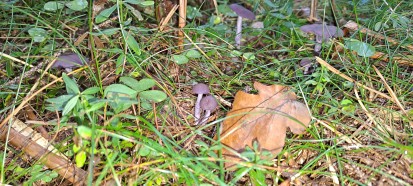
(356, 136)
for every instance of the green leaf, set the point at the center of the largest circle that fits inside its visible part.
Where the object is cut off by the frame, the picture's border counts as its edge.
(121, 89)
(38, 34)
(71, 86)
(76, 148)
(104, 14)
(84, 132)
(362, 49)
(235, 53)
(77, 5)
(48, 176)
(139, 86)
(257, 177)
(60, 100)
(180, 59)
(145, 84)
(193, 54)
(345, 102)
(80, 159)
(153, 95)
(248, 56)
(311, 82)
(53, 6)
(135, 12)
(91, 90)
(133, 44)
(144, 151)
(96, 106)
(106, 32)
(70, 105)
(147, 3)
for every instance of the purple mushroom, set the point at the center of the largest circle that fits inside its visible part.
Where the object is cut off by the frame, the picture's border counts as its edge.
(322, 33)
(306, 63)
(69, 61)
(242, 13)
(208, 104)
(200, 89)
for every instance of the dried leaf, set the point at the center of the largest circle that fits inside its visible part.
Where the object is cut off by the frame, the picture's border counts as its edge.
(264, 118)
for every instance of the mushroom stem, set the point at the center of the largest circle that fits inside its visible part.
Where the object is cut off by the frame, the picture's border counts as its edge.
(238, 33)
(198, 108)
(205, 118)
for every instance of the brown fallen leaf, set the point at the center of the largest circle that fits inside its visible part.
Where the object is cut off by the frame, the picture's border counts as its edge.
(263, 118)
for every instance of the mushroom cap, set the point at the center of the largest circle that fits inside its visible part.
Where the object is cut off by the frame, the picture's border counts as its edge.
(322, 31)
(305, 62)
(69, 60)
(242, 12)
(208, 103)
(200, 88)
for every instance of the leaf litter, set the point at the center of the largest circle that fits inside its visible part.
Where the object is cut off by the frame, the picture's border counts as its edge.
(264, 118)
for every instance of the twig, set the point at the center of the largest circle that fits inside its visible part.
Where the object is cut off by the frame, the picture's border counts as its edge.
(392, 94)
(353, 26)
(28, 73)
(31, 96)
(335, 71)
(167, 18)
(181, 23)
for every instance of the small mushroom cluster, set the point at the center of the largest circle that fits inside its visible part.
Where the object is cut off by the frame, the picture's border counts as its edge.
(322, 33)
(207, 103)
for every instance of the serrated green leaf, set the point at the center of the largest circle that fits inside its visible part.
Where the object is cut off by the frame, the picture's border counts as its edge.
(71, 86)
(120, 89)
(153, 95)
(133, 44)
(38, 34)
(104, 14)
(180, 59)
(53, 6)
(77, 5)
(193, 54)
(84, 132)
(70, 105)
(80, 159)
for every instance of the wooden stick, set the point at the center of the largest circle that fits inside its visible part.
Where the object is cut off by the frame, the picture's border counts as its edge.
(167, 18)
(181, 23)
(29, 144)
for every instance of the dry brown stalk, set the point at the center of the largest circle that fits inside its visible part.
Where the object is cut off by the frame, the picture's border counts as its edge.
(31, 143)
